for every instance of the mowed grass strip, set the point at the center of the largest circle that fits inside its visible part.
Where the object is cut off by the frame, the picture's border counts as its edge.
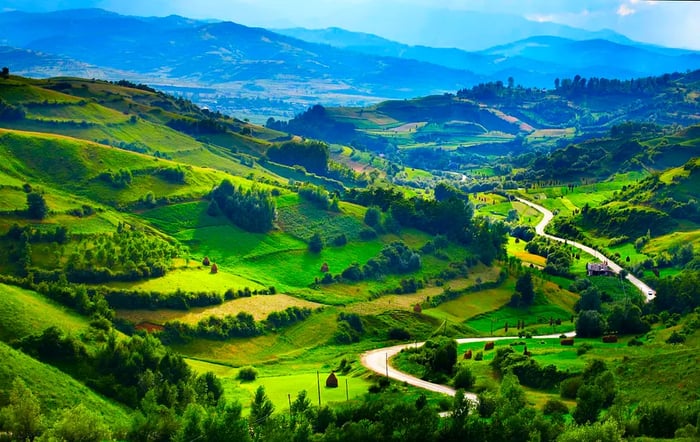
(192, 279)
(259, 306)
(289, 344)
(24, 312)
(473, 304)
(279, 388)
(517, 249)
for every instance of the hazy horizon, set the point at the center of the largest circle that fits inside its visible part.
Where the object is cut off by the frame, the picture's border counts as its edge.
(665, 23)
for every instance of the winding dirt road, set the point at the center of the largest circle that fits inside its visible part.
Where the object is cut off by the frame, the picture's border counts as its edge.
(378, 360)
(647, 291)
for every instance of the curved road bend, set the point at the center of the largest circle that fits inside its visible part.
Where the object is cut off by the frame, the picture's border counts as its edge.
(647, 291)
(377, 361)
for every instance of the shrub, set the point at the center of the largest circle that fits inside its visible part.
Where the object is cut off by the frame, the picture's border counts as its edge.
(464, 378)
(634, 342)
(658, 420)
(676, 338)
(367, 234)
(340, 240)
(567, 341)
(555, 406)
(569, 387)
(584, 348)
(399, 334)
(247, 374)
(479, 356)
(489, 345)
(316, 243)
(610, 339)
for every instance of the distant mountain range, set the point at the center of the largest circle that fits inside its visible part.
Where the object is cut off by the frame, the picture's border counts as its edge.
(330, 66)
(534, 61)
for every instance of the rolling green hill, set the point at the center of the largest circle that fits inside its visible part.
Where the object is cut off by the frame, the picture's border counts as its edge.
(178, 229)
(55, 390)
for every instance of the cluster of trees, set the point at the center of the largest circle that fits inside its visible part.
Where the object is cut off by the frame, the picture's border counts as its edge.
(642, 87)
(497, 89)
(319, 196)
(242, 325)
(315, 123)
(119, 179)
(128, 255)
(59, 234)
(253, 209)
(177, 300)
(396, 257)
(36, 206)
(207, 126)
(620, 219)
(132, 85)
(598, 315)
(451, 216)
(9, 112)
(438, 356)
(288, 316)
(524, 290)
(350, 328)
(175, 175)
(559, 256)
(126, 369)
(212, 327)
(528, 371)
(312, 155)
(680, 293)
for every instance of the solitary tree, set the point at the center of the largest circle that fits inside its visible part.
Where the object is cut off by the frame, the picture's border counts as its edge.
(260, 409)
(372, 217)
(525, 287)
(5, 72)
(36, 206)
(316, 243)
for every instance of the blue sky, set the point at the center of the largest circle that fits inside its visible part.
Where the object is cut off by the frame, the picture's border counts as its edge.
(668, 23)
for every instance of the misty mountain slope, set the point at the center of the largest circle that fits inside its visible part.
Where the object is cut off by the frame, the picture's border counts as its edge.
(211, 53)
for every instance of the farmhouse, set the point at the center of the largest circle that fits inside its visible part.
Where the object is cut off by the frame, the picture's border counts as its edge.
(598, 269)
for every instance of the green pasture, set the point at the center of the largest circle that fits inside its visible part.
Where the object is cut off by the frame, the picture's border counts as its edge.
(174, 218)
(25, 312)
(536, 319)
(18, 91)
(12, 199)
(304, 219)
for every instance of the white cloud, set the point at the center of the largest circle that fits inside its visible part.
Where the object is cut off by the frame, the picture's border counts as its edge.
(625, 10)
